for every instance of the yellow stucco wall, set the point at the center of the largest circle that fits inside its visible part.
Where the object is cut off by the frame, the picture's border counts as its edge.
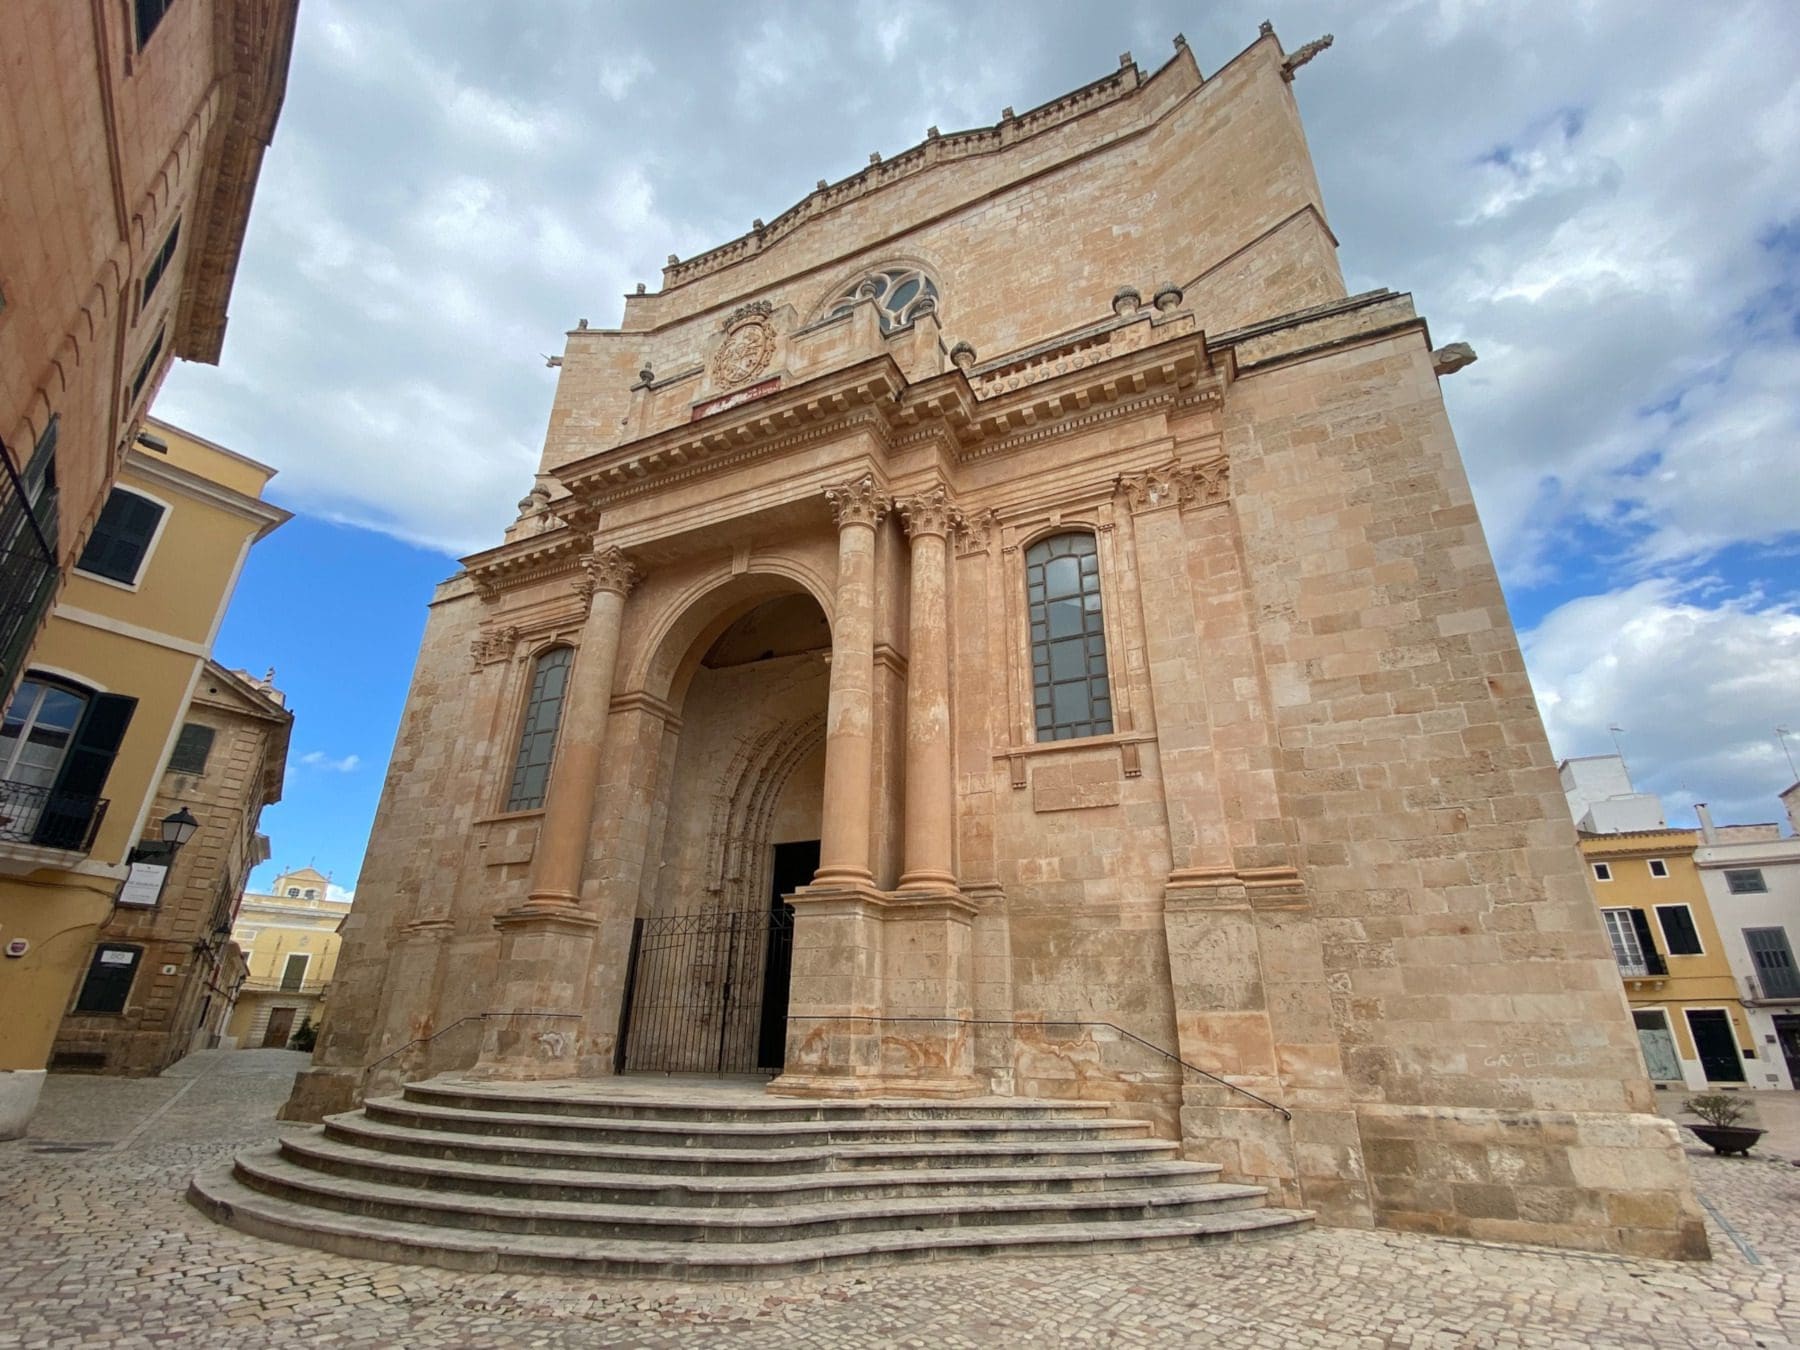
(149, 642)
(271, 927)
(1703, 981)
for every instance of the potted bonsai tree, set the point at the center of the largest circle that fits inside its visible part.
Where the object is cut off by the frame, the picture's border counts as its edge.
(1722, 1111)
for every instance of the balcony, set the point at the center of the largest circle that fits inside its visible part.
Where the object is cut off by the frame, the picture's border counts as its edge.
(39, 820)
(280, 986)
(1648, 966)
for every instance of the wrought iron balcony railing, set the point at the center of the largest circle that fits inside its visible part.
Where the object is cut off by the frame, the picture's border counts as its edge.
(46, 818)
(28, 570)
(1651, 965)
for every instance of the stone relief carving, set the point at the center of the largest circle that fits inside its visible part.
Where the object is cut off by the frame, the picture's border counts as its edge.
(493, 645)
(1205, 483)
(976, 533)
(930, 512)
(748, 346)
(607, 569)
(859, 503)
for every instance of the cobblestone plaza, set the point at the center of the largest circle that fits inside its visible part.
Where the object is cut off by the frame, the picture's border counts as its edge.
(101, 1249)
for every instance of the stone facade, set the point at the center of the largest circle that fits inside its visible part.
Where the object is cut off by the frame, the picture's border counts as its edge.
(187, 971)
(1298, 886)
(131, 139)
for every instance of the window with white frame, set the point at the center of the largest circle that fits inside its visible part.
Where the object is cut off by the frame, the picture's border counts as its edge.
(1630, 939)
(1745, 881)
(1658, 869)
(1602, 871)
(122, 537)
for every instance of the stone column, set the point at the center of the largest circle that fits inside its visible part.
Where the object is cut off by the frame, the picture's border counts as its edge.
(849, 724)
(534, 1025)
(930, 783)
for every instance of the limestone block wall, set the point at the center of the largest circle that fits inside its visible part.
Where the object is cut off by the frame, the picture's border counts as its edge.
(1169, 178)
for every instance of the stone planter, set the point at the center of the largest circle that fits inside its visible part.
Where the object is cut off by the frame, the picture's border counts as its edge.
(1728, 1139)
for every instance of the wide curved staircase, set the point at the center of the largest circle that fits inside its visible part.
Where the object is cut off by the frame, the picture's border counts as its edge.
(637, 1177)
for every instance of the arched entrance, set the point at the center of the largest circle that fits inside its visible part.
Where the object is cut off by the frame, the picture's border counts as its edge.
(741, 803)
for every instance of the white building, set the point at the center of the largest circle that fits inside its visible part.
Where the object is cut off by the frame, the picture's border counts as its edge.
(1751, 875)
(1602, 800)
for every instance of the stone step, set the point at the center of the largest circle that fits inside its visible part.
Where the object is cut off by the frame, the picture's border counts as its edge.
(311, 1148)
(753, 1134)
(368, 1130)
(621, 1101)
(264, 1169)
(227, 1199)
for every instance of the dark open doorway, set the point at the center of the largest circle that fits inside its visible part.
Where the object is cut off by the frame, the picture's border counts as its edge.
(795, 864)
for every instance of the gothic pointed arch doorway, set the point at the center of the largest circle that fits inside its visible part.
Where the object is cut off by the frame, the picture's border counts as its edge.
(740, 804)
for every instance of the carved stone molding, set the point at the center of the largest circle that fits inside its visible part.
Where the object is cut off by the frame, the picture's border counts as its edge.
(1207, 483)
(494, 645)
(607, 569)
(929, 513)
(862, 502)
(976, 534)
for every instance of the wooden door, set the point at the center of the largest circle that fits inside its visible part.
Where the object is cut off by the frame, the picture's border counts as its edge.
(1716, 1044)
(280, 1028)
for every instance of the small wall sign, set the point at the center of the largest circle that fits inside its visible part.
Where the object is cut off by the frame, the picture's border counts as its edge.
(143, 888)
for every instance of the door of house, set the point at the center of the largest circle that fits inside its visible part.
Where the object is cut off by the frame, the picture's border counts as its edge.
(1658, 1045)
(280, 1028)
(1716, 1044)
(795, 864)
(1787, 1034)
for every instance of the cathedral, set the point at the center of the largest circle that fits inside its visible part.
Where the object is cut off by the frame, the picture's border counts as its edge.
(1013, 626)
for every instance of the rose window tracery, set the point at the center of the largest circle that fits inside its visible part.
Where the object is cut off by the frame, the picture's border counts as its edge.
(900, 294)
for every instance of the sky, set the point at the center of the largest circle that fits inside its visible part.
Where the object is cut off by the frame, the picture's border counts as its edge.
(1602, 198)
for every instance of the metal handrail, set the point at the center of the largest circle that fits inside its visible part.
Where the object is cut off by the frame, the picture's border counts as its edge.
(1016, 1022)
(374, 1064)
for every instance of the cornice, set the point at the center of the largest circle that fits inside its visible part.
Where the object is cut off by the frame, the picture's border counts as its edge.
(540, 558)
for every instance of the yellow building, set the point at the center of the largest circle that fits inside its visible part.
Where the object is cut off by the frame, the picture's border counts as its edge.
(290, 941)
(1678, 980)
(93, 722)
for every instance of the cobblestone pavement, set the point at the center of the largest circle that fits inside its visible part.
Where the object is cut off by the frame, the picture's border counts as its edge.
(99, 1249)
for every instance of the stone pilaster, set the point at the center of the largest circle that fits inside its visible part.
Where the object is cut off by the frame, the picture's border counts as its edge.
(546, 943)
(929, 518)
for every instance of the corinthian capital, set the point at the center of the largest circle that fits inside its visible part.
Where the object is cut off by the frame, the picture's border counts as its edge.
(930, 512)
(607, 569)
(858, 503)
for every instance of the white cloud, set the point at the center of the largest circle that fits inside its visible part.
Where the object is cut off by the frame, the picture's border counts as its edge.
(1698, 683)
(339, 894)
(618, 74)
(318, 759)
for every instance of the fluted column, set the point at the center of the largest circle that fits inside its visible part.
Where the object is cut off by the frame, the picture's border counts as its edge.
(563, 837)
(930, 787)
(850, 716)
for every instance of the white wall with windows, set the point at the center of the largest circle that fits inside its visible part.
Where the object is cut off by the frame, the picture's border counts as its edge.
(1754, 889)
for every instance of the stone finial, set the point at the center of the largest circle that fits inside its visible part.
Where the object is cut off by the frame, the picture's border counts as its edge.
(673, 260)
(874, 156)
(607, 569)
(646, 375)
(1266, 29)
(1006, 114)
(928, 513)
(535, 502)
(932, 133)
(1301, 57)
(757, 225)
(1124, 59)
(640, 288)
(1167, 297)
(822, 185)
(553, 361)
(581, 324)
(861, 502)
(1449, 359)
(962, 356)
(1126, 300)
(1181, 42)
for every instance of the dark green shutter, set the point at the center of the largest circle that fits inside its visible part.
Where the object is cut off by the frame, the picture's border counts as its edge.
(73, 809)
(121, 537)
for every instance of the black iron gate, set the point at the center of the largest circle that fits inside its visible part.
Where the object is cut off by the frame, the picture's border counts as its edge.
(707, 993)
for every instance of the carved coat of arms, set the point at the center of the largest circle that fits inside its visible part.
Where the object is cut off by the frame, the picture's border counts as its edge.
(748, 346)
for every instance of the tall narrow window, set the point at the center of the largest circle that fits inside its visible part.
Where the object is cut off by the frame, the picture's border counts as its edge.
(153, 274)
(146, 368)
(121, 538)
(293, 974)
(148, 13)
(1774, 960)
(537, 737)
(1070, 693)
(192, 747)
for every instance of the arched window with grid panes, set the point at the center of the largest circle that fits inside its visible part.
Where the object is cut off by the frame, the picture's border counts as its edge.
(1071, 695)
(537, 733)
